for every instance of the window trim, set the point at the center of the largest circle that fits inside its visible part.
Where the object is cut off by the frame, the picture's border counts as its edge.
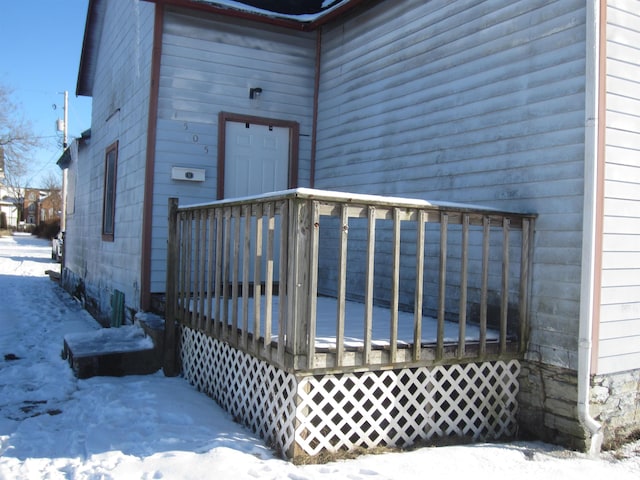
(109, 201)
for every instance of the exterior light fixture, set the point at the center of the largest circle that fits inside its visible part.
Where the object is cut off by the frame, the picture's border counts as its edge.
(255, 92)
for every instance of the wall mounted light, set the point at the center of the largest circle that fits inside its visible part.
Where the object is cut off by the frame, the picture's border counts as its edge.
(255, 92)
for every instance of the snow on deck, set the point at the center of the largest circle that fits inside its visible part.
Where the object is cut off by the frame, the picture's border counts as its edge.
(354, 325)
(128, 338)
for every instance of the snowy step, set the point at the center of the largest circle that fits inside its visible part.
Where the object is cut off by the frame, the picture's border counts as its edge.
(127, 350)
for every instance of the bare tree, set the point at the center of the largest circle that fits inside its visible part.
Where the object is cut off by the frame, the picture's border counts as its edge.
(51, 182)
(17, 140)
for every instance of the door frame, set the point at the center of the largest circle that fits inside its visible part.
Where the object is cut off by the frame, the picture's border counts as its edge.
(294, 142)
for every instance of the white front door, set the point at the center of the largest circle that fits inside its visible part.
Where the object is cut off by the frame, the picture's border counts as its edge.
(256, 159)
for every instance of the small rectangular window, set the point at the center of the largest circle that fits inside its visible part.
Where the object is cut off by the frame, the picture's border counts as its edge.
(109, 200)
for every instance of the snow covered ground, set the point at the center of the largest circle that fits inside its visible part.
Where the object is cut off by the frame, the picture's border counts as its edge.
(54, 426)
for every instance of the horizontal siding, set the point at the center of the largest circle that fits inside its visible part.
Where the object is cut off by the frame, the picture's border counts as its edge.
(479, 102)
(616, 260)
(626, 191)
(620, 242)
(119, 113)
(208, 65)
(620, 311)
(619, 342)
(615, 348)
(622, 225)
(616, 363)
(621, 294)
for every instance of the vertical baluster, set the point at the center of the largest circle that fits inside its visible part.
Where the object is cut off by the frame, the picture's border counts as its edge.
(210, 269)
(419, 286)
(395, 286)
(268, 287)
(342, 282)
(313, 283)
(188, 263)
(444, 223)
(218, 283)
(368, 296)
(282, 288)
(236, 213)
(484, 287)
(246, 281)
(464, 260)
(504, 305)
(201, 268)
(257, 279)
(182, 283)
(195, 303)
(224, 319)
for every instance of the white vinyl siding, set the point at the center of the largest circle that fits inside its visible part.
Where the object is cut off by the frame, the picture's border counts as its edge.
(208, 65)
(479, 102)
(119, 113)
(619, 332)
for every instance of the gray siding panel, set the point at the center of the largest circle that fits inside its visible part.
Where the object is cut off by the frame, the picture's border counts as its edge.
(208, 65)
(468, 102)
(619, 343)
(119, 113)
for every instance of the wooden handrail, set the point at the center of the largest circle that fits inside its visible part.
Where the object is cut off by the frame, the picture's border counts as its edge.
(231, 263)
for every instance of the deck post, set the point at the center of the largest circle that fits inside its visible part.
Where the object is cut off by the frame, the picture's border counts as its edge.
(525, 280)
(299, 232)
(170, 365)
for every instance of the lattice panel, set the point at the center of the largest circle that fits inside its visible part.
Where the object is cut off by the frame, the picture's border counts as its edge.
(400, 407)
(367, 409)
(257, 394)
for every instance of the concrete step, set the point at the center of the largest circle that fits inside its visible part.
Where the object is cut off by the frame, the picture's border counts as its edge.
(128, 350)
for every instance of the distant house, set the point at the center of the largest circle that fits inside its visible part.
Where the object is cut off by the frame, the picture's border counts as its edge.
(527, 106)
(41, 205)
(8, 208)
(9, 213)
(30, 206)
(51, 207)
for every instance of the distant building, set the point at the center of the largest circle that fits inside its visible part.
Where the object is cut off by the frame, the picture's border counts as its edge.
(41, 205)
(51, 206)
(7, 202)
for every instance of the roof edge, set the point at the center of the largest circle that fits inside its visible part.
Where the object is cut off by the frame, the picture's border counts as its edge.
(96, 8)
(92, 33)
(304, 22)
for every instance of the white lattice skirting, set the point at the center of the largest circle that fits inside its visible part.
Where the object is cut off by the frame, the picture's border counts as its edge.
(310, 414)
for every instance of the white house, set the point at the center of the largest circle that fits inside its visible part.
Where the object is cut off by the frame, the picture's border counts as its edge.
(528, 106)
(8, 203)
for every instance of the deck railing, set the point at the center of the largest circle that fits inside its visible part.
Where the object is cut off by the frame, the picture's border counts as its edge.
(252, 272)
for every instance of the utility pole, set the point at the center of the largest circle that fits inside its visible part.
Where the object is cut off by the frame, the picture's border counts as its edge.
(65, 132)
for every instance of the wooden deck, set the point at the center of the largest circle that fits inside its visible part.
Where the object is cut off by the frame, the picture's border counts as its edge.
(387, 264)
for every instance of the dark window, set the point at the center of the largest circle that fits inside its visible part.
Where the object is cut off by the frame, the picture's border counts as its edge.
(109, 205)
